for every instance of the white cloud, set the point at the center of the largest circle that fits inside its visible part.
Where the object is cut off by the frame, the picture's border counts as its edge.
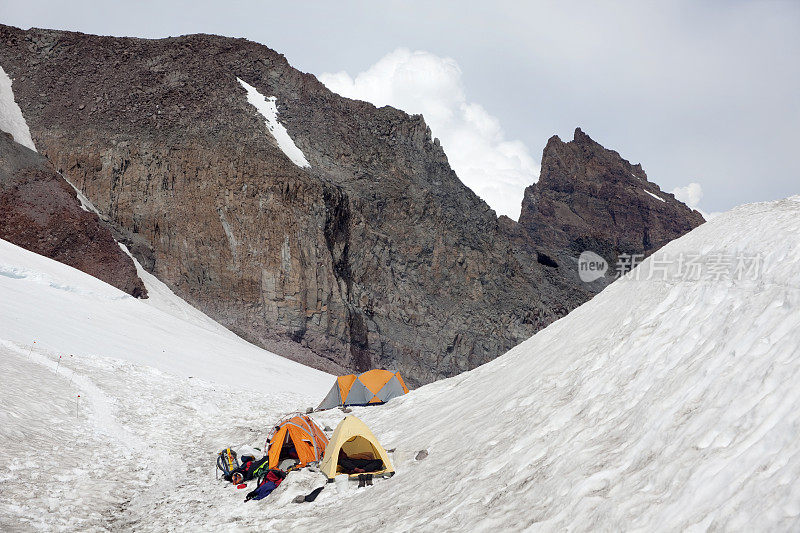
(691, 195)
(497, 169)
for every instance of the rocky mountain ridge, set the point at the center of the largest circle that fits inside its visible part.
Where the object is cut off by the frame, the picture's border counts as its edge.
(590, 198)
(375, 256)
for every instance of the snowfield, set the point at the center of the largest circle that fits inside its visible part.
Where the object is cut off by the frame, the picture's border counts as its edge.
(68, 312)
(665, 403)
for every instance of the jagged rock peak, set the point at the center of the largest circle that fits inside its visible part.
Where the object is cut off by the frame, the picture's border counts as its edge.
(579, 136)
(589, 197)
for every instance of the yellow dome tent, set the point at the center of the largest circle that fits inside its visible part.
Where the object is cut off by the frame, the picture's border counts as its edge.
(355, 439)
(369, 388)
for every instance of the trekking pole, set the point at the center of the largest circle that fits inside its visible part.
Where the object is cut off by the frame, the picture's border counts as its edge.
(76, 405)
(59, 363)
(31, 350)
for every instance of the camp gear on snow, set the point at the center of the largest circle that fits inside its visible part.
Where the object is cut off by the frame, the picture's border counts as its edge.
(258, 468)
(354, 438)
(372, 387)
(359, 463)
(297, 438)
(271, 475)
(310, 497)
(227, 463)
(364, 480)
(241, 486)
(266, 485)
(249, 470)
(245, 450)
(262, 491)
(287, 464)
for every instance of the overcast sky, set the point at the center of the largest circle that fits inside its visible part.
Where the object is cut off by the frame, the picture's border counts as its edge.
(699, 93)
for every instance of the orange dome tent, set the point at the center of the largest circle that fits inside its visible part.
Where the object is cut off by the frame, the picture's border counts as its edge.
(371, 387)
(301, 433)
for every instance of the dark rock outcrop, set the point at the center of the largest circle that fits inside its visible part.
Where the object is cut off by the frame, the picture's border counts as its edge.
(590, 198)
(40, 212)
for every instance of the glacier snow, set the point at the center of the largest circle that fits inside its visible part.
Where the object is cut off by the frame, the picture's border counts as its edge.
(662, 404)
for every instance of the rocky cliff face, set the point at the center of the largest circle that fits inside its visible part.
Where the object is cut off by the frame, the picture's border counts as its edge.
(590, 198)
(375, 256)
(40, 212)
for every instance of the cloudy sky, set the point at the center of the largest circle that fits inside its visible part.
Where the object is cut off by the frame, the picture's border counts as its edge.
(705, 95)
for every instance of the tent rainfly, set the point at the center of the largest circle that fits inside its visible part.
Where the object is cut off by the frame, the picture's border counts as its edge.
(371, 387)
(303, 434)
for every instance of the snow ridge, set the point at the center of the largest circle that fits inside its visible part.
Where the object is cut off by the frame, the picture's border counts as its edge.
(269, 110)
(11, 119)
(662, 404)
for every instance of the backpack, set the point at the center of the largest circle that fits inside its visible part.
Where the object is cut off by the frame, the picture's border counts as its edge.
(227, 463)
(270, 476)
(260, 467)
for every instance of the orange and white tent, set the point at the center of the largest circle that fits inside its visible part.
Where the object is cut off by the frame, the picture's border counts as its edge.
(371, 387)
(300, 433)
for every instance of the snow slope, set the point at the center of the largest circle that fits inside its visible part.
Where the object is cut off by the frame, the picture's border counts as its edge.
(665, 403)
(121, 404)
(269, 110)
(662, 404)
(68, 312)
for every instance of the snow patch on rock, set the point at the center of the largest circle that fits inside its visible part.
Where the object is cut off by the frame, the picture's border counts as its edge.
(11, 119)
(86, 204)
(654, 196)
(269, 110)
